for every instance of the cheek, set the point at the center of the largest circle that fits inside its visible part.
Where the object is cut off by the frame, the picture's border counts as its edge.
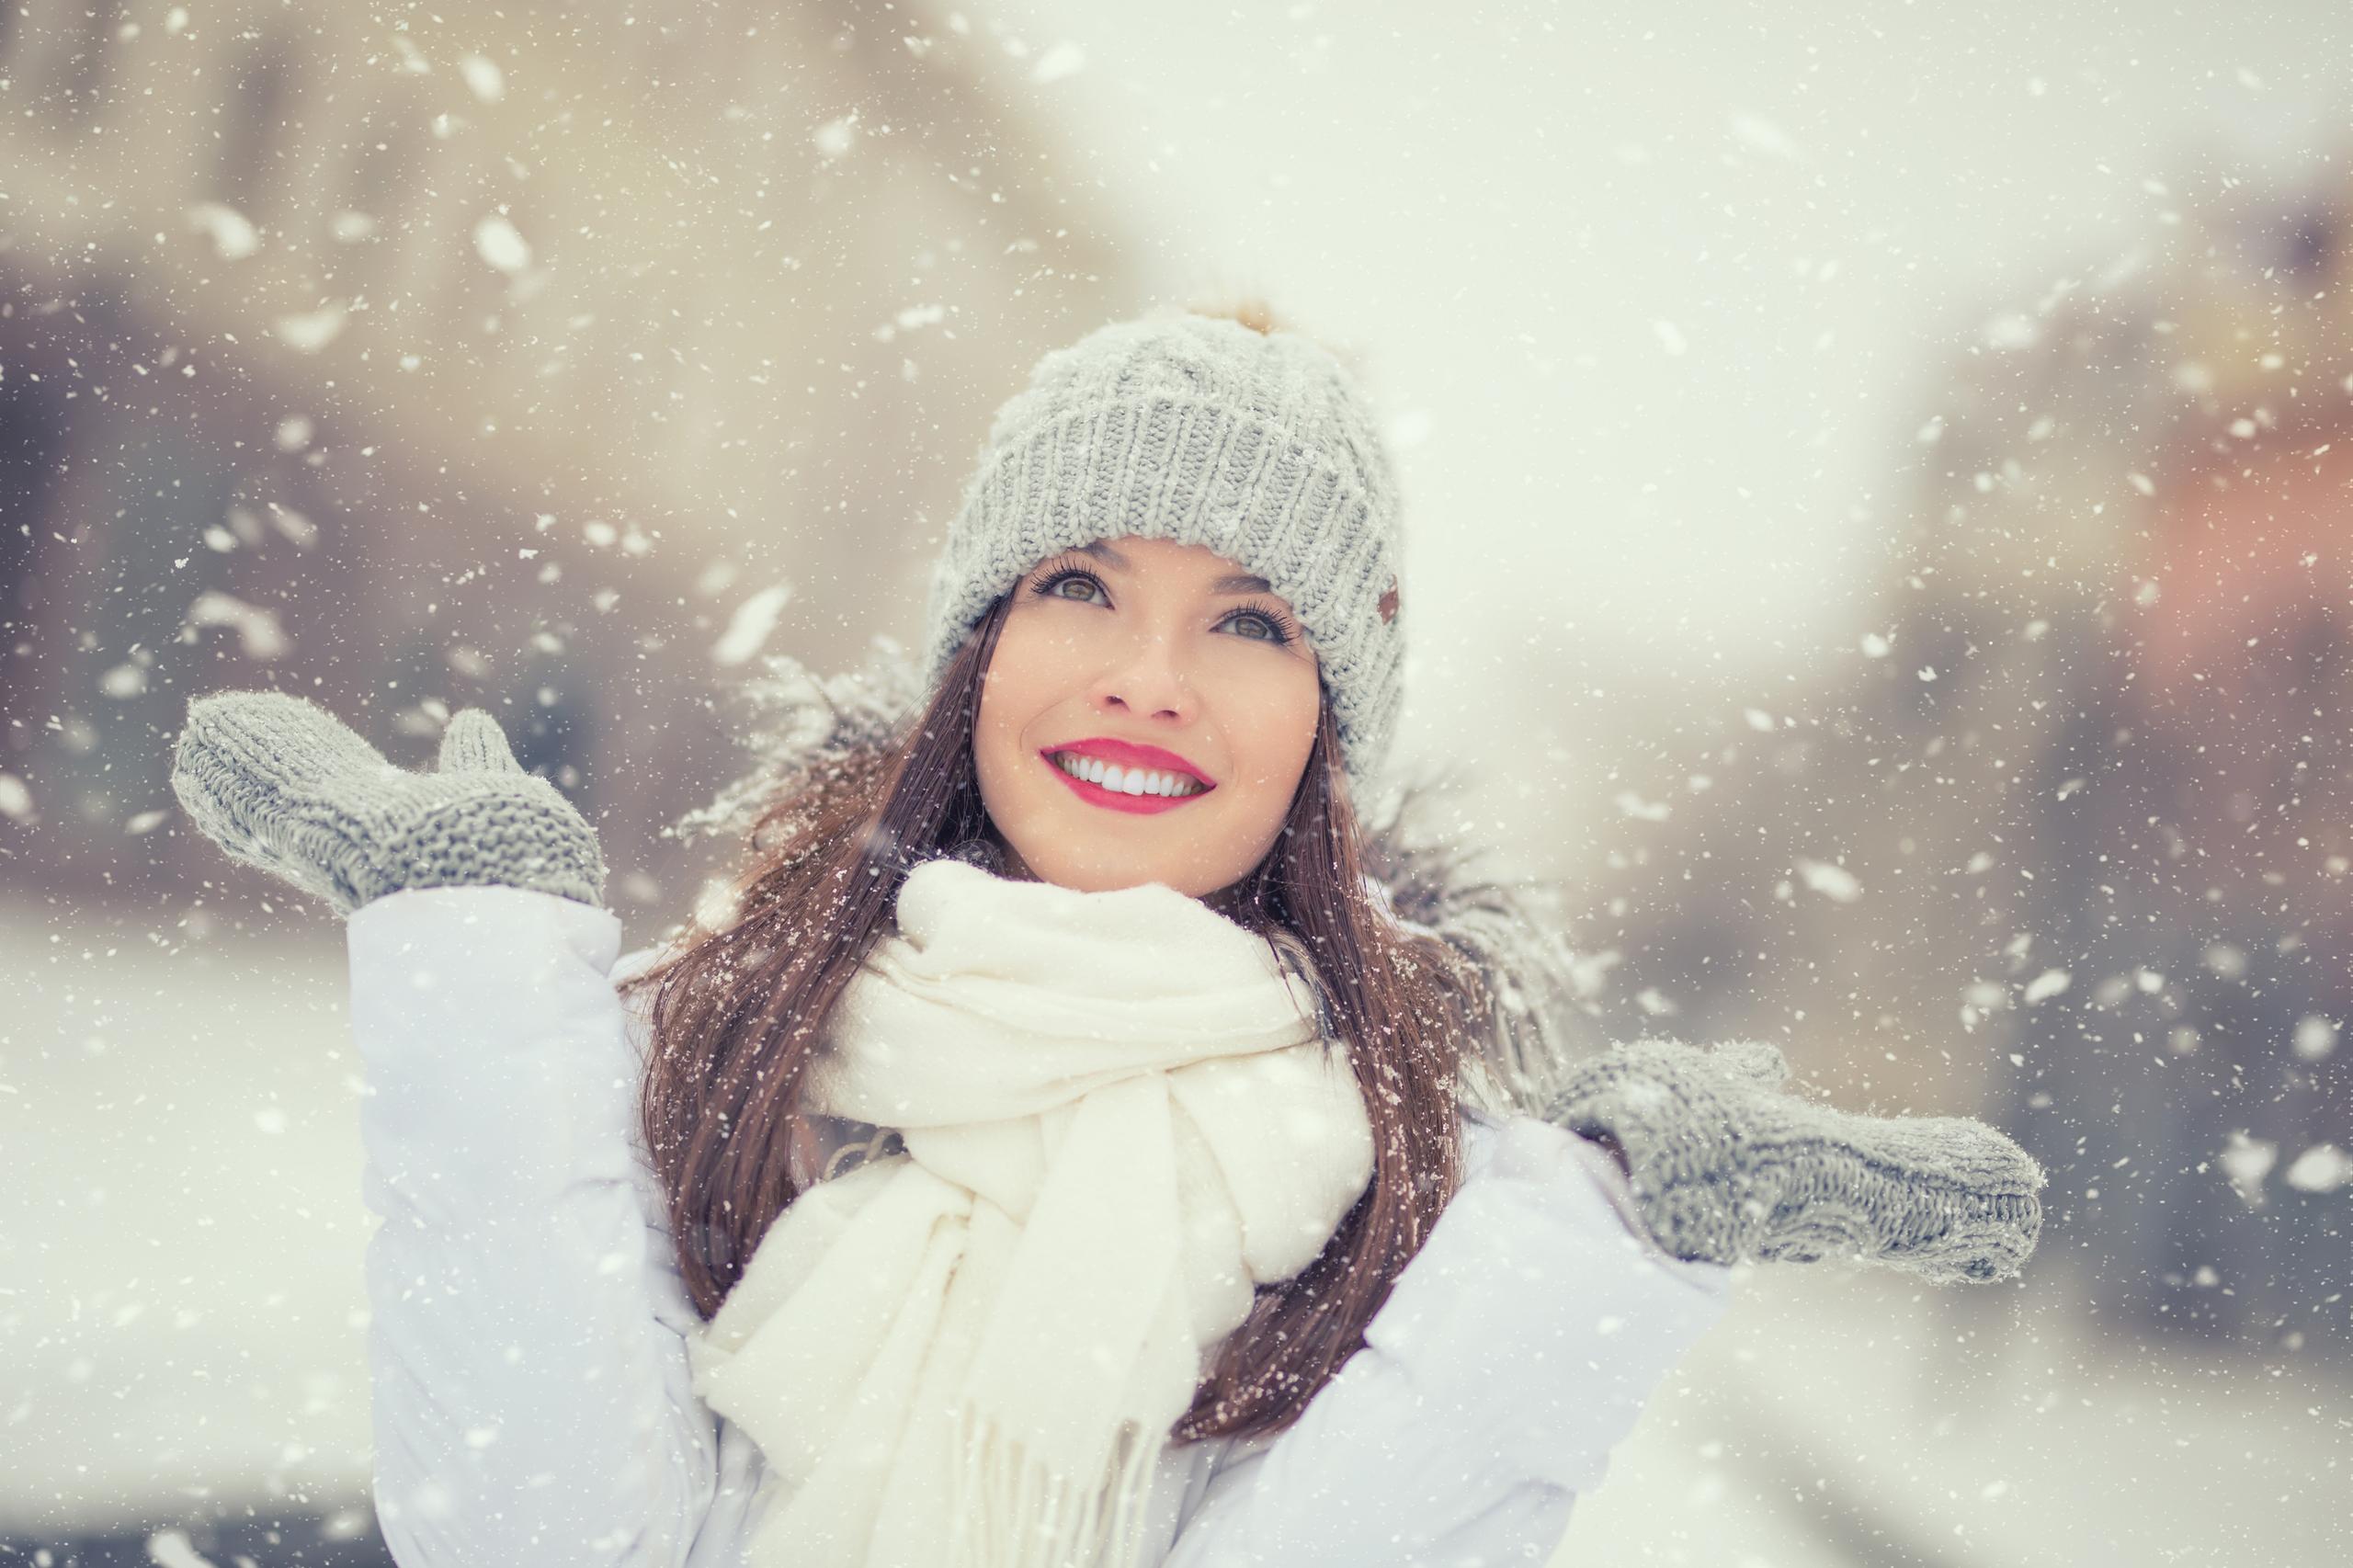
(1279, 730)
(996, 731)
(1012, 695)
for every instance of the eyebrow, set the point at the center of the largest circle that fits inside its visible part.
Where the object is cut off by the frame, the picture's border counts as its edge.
(1232, 582)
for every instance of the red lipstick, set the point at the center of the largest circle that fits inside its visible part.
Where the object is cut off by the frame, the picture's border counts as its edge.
(1127, 755)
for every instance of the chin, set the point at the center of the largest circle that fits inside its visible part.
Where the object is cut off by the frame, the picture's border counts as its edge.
(1110, 872)
(1097, 876)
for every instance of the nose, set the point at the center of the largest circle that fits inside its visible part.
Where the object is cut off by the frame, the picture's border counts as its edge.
(1148, 680)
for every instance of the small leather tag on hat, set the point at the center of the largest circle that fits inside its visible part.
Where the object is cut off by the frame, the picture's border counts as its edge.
(1388, 603)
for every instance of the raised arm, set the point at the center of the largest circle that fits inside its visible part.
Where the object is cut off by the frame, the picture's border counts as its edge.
(1514, 1353)
(533, 1398)
(1583, 1255)
(532, 1401)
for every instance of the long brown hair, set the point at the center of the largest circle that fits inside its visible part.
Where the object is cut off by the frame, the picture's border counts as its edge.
(743, 994)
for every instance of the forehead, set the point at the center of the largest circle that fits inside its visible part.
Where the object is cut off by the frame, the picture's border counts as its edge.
(1231, 581)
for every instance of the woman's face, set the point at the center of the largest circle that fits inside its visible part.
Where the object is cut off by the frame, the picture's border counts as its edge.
(1156, 659)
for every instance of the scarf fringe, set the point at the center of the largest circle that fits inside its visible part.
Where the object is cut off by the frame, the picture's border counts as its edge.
(1010, 1511)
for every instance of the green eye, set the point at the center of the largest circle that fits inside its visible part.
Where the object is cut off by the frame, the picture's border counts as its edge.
(1280, 631)
(1051, 587)
(1272, 634)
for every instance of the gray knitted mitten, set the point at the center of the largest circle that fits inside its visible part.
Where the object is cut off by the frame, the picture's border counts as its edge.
(280, 783)
(1728, 1167)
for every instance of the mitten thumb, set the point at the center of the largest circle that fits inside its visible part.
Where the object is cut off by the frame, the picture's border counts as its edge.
(474, 743)
(1759, 1061)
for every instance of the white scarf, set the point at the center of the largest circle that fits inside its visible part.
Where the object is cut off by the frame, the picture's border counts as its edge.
(1118, 1117)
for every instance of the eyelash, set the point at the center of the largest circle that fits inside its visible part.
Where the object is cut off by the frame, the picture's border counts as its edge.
(1285, 630)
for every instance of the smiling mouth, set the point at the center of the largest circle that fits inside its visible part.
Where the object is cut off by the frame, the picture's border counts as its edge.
(1135, 790)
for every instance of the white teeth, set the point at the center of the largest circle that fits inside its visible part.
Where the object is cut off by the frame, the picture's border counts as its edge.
(1126, 782)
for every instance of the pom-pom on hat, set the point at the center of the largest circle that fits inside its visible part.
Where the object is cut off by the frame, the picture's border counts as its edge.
(1254, 441)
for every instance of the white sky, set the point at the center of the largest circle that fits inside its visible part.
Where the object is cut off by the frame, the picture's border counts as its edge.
(1665, 284)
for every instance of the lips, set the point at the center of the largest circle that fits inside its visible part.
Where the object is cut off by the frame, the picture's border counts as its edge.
(1126, 754)
(1130, 754)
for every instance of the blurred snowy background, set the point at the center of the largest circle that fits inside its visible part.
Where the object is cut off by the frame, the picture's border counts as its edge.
(1878, 526)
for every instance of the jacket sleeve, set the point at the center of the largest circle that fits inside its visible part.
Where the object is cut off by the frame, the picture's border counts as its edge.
(1514, 1351)
(533, 1398)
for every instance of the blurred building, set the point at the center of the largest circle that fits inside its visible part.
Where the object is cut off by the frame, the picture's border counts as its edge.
(2068, 843)
(550, 360)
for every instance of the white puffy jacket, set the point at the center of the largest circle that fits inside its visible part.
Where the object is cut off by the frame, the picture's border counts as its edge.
(532, 1401)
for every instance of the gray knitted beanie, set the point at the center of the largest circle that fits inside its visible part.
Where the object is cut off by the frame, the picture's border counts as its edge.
(1204, 431)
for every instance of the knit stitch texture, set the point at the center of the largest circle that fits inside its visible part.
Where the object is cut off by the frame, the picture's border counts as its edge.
(280, 783)
(1728, 1167)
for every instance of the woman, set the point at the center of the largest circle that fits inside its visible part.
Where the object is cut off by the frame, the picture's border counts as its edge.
(1057, 1150)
